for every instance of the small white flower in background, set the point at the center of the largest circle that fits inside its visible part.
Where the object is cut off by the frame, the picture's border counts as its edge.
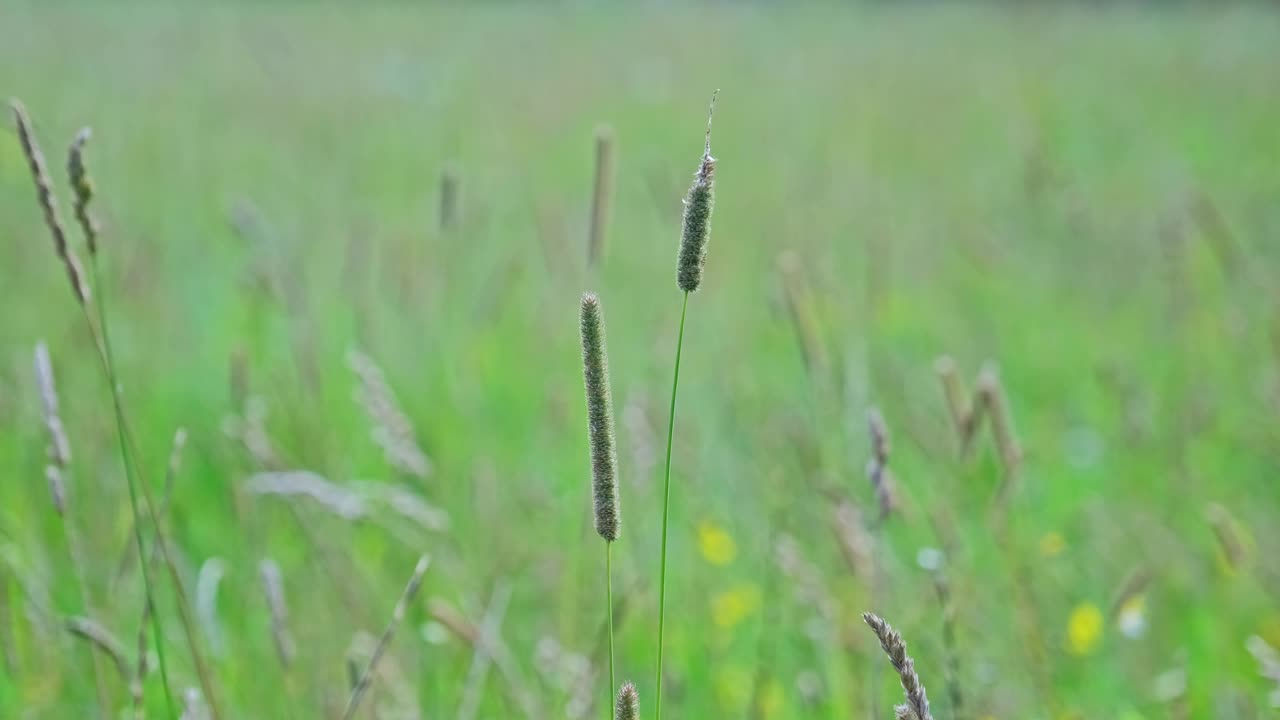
(1268, 664)
(930, 558)
(435, 633)
(1132, 618)
(1171, 685)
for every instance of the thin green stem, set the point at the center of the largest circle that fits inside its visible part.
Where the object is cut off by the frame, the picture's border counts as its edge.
(608, 583)
(666, 510)
(108, 362)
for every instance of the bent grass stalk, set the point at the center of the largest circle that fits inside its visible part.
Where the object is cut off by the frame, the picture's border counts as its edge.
(695, 231)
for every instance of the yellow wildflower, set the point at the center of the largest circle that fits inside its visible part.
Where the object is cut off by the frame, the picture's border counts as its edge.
(732, 687)
(716, 545)
(1084, 629)
(733, 606)
(1052, 544)
(772, 697)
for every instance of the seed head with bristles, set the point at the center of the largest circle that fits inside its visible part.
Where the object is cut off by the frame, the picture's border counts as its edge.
(896, 649)
(59, 447)
(628, 707)
(878, 464)
(82, 187)
(601, 192)
(696, 228)
(48, 203)
(604, 455)
(992, 395)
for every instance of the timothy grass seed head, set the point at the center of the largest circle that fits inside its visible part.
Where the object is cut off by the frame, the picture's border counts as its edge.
(628, 707)
(604, 456)
(696, 228)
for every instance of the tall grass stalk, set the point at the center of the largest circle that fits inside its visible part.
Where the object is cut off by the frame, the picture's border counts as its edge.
(666, 509)
(131, 479)
(695, 231)
(608, 582)
(604, 453)
(48, 203)
(83, 189)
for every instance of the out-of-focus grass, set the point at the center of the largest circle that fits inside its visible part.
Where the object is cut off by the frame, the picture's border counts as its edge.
(1007, 185)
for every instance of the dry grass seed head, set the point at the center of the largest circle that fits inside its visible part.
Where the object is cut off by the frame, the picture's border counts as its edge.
(59, 447)
(83, 188)
(896, 649)
(273, 587)
(878, 464)
(49, 203)
(601, 195)
(102, 639)
(392, 430)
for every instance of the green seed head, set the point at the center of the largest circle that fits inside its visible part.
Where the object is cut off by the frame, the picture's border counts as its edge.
(628, 707)
(83, 188)
(604, 456)
(696, 229)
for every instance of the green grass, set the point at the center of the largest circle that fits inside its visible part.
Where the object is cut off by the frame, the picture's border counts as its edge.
(896, 152)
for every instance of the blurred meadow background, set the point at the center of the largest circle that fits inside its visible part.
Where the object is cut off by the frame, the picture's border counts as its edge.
(343, 248)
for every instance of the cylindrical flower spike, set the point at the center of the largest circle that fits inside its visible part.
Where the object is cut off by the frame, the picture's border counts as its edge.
(696, 229)
(604, 456)
(601, 196)
(628, 707)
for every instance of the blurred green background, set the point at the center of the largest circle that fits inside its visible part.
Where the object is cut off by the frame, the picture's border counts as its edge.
(1088, 197)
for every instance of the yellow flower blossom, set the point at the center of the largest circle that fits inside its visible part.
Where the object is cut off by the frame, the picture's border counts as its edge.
(1084, 629)
(733, 606)
(716, 545)
(733, 686)
(772, 697)
(1052, 544)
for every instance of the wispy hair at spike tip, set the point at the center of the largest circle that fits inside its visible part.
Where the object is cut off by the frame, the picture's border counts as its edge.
(696, 228)
(628, 707)
(604, 455)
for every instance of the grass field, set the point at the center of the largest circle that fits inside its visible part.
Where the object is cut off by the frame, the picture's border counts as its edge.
(1088, 198)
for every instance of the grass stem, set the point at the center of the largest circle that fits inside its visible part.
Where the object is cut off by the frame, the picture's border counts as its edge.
(666, 509)
(108, 363)
(608, 582)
